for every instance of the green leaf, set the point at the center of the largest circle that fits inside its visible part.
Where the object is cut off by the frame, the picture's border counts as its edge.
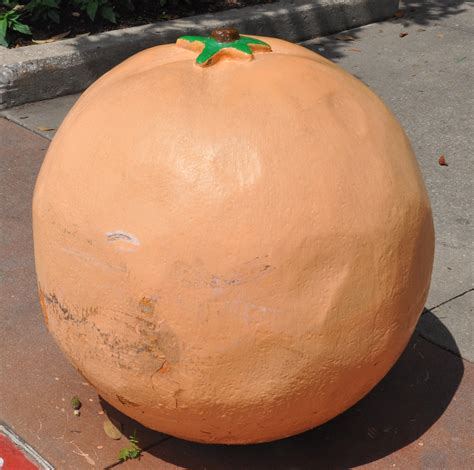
(76, 403)
(3, 29)
(107, 12)
(123, 454)
(213, 47)
(12, 15)
(208, 52)
(21, 28)
(91, 9)
(53, 15)
(135, 453)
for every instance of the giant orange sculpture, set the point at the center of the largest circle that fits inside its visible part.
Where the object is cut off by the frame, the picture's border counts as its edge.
(233, 240)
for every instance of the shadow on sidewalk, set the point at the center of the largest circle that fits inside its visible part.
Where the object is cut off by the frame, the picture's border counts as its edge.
(412, 12)
(408, 401)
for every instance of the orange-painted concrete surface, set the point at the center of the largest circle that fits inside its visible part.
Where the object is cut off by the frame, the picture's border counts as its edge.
(235, 253)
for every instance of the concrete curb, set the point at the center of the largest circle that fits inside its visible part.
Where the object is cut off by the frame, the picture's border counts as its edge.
(36, 73)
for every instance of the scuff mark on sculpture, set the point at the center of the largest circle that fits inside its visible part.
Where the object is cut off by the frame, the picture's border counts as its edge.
(165, 367)
(125, 401)
(89, 258)
(53, 300)
(250, 271)
(150, 349)
(176, 394)
(161, 341)
(64, 311)
(147, 305)
(43, 304)
(217, 282)
(122, 235)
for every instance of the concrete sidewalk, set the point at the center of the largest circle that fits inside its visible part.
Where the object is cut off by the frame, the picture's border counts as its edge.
(418, 417)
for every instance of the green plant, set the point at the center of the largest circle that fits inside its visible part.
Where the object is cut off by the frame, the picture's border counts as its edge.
(133, 451)
(92, 7)
(76, 403)
(10, 20)
(44, 10)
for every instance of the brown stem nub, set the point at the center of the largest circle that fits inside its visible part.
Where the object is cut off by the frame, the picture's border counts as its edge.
(225, 34)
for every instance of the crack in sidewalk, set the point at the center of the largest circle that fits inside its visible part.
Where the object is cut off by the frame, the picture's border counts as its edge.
(444, 348)
(433, 341)
(449, 300)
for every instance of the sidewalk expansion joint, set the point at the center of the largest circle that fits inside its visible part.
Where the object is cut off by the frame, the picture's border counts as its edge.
(451, 299)
(444, 348)
(13, 121)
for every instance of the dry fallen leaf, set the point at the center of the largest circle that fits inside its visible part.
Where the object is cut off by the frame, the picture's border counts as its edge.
(440, 35)
(402, 35)
(112, 430)
(344, 37)
(399, 14)
(44, 129)
(354, 49)
(421, 30)
(54, 38)
(442, 160)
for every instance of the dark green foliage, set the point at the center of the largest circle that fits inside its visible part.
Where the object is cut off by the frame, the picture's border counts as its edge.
(103, 8)
(44, 10)
(11, 19)
(16, 16)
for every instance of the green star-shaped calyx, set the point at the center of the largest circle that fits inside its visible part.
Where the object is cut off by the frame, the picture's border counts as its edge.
(219, 41)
